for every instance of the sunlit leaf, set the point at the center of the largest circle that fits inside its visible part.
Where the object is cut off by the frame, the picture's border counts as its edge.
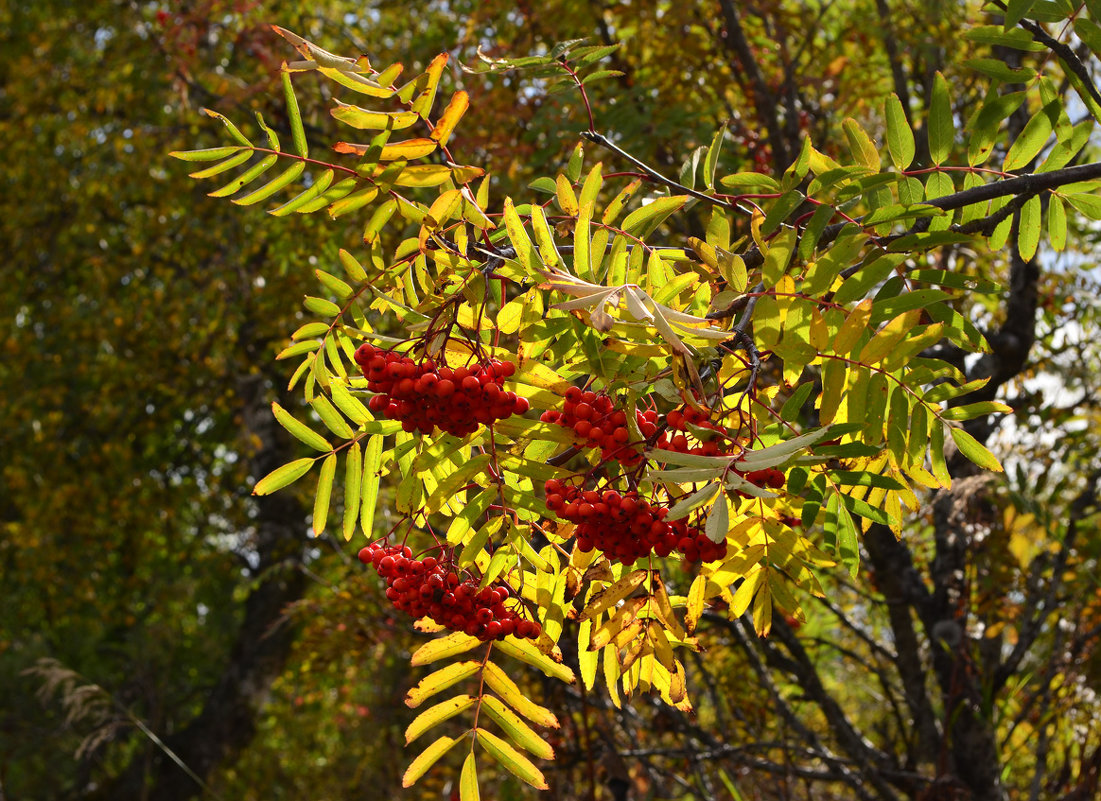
(437, 714)
(283, 476)
(426, 759)
(511, 759)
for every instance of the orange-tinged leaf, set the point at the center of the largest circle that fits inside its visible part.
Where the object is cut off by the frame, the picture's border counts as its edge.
(511, 759)
(456, 108)
(426, 759)
(408, 149)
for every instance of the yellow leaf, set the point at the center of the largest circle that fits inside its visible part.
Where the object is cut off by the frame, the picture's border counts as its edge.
(511, 759)
(436, 714)
(500, 683)
(526, 652)
(518, 731)
(468, 780)
(613, 594)
(451, 645)
(438, 681)
(426, 759)
(855, 325)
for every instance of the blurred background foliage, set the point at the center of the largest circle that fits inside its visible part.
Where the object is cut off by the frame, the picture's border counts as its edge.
(140, 321)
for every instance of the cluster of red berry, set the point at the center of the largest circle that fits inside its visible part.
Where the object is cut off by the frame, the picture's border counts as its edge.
(423, 396)
(596, 423)
(683, 420)
(768, 477)
(626, 527)
(431, 588)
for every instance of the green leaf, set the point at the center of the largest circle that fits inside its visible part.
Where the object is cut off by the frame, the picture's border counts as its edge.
(781, 209)
(299, 430)
(245, 178)
(1089, 205)
(850, 478)
(374, 120)
(321, 306)
(697, 498)
(900, 139)
(283, 476)
(867, 511)
(941, 128)
(975, 450)
(1057, 223)
(324, 494)
(437, 714)
(372, 460)
(1000, 71)
(718, 520)
(209, 154)
(233, 131)
(511, 759)
(1015, 11)
(349, 404)
(451, 485)
(331, 417)
(600, 74)
(353, 477)
(294, 116)
(573, 168)
(652, 214)
(972, 410)
(353, 202)
(1028, 228)
(1033, 137)
(426, 759)
(318, 188)
(525, 252)
(1018, 38)
(750, 181)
